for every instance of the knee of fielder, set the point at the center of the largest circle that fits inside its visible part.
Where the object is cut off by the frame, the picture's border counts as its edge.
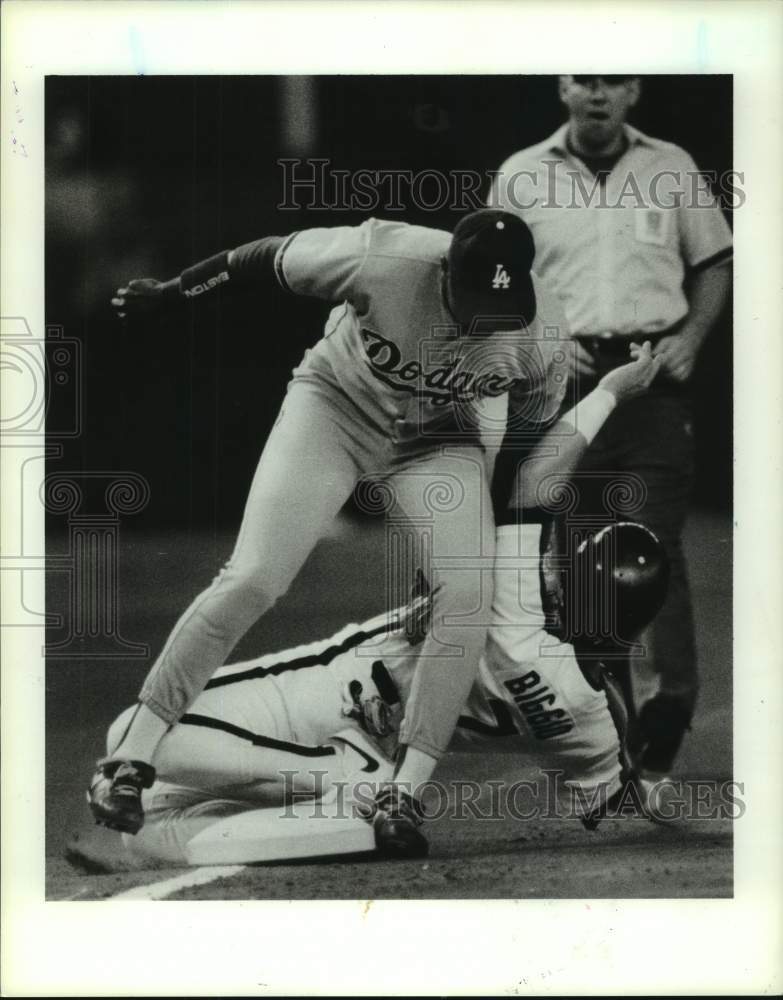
(462, 608)
(201, 642)
(448, 663)
(235, 603)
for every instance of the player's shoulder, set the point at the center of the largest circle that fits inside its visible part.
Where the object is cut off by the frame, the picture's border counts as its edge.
(391, 239)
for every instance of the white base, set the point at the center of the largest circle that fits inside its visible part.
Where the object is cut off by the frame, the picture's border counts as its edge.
(279, 834)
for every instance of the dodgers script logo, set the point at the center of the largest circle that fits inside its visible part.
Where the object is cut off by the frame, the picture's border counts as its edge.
(440, 385)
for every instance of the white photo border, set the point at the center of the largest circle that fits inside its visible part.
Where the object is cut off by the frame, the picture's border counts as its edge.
(497, 947)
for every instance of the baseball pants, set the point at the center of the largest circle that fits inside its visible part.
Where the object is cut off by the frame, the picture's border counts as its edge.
(318, 450)
(652, 438)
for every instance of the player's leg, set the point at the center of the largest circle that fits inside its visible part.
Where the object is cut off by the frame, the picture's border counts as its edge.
(231, 761)
(530, 683)
(289, 508)
(174, 816)
(664, 457)
(449, 514)
(305, 475)
(214, 750)
(651, 440)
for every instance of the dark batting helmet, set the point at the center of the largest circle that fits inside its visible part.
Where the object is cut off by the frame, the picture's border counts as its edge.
(618, 582)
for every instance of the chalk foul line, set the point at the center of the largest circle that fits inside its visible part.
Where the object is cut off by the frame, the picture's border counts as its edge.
(199, 876)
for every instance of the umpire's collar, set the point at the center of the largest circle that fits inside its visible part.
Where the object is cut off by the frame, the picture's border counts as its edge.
(558, 141)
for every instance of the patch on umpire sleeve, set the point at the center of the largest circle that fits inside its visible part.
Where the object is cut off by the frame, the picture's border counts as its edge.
(652, 225)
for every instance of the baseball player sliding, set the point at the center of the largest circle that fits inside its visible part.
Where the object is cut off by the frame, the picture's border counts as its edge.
(327, 714)
(425, 325)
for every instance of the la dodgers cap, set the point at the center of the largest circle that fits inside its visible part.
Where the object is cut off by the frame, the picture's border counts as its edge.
(490, 258)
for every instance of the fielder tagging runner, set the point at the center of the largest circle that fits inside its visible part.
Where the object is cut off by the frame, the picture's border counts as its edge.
(426, 325)
(327, 715)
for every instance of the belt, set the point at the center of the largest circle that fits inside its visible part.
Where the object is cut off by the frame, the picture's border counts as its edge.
(616, 345)
(611, 351)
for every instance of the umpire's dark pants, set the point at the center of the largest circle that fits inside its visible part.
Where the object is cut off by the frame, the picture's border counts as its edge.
(651, 438)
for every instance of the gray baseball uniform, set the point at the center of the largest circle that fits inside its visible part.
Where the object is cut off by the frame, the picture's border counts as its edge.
(392, 381)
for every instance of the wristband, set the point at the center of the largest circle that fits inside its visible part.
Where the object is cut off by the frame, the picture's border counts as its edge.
(204, 276)
(258, 263)
(589, 416)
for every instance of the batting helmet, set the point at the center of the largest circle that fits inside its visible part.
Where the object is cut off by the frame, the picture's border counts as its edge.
(618, 582)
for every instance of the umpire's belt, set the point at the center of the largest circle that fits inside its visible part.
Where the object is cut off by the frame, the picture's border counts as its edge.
(608, 351)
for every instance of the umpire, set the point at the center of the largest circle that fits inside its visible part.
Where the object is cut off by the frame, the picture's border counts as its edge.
(633, 242)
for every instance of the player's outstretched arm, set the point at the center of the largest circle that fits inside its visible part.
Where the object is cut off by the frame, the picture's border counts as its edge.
(319, 263)
(574, 431)
(253, 264)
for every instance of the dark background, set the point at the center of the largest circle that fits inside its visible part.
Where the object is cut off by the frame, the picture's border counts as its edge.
(147, 175)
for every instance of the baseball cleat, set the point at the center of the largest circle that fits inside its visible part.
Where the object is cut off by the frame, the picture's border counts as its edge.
(657, 798)
(663, 798)
(115, 794)
(396, 817)
(628, 802)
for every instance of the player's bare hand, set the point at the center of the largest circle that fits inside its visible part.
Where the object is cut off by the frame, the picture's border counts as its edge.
(634, 378)
(677, 354)
(141, 297)
(581, 360)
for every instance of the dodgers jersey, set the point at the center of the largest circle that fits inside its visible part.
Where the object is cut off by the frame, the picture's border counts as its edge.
(392, 346)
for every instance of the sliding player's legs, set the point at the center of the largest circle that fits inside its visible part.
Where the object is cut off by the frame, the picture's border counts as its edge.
(236, 751)
(174, 816)
(215, 750)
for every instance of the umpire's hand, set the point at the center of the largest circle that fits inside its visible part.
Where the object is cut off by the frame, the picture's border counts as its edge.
(634, 378)
(143, 297)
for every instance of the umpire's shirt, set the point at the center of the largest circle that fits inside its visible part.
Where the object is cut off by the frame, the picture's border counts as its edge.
(616, 248)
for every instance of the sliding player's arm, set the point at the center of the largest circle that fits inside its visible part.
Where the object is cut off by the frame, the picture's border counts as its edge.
(561, 447)
(323, 263)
